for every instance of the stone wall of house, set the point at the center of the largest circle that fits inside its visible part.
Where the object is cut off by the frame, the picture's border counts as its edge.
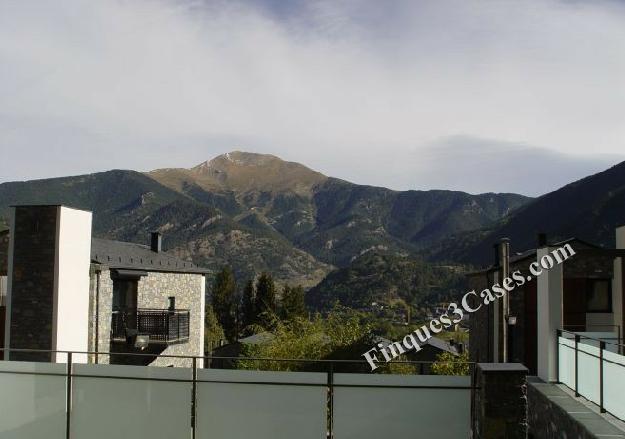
(100, 314)
(32, 296)
(154, 291)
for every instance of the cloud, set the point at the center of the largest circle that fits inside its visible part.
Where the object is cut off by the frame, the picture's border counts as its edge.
(343, 86)
(474, 164)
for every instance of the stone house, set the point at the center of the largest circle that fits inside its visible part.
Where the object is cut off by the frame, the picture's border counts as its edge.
(67, 291)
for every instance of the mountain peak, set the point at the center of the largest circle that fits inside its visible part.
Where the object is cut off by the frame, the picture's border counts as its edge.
(243, 172)
(238, 158)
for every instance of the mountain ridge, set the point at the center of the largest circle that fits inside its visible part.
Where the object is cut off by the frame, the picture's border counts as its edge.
(589, 208)
(257, 213)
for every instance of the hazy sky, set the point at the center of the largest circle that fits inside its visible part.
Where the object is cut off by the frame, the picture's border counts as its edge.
(471, 95)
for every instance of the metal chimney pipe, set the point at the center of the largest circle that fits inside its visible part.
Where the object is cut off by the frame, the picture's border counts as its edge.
(504, 253)
(156, 243)
(496, 250)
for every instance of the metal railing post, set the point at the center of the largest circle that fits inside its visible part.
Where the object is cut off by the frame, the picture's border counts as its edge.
(331, 401)
(68, 397)
(601, 348)
(576, 364)
(167, 328)
(558, 335)
(194, 399)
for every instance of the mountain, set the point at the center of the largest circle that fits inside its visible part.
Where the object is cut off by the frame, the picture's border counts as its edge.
(353, 219)
(385, 278)
(128, 205)
(333, 220)
(588, 209)
(257, 213)
(242, 173)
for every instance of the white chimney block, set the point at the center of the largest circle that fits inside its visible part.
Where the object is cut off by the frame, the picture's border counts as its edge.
(71, 295)
(617, 281)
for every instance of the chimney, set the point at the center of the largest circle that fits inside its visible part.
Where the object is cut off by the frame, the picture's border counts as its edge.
(157, 242)
(496, 248)
(541, 240)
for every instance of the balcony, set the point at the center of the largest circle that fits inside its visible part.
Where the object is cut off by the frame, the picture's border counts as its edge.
(593, 367)
(160, 325)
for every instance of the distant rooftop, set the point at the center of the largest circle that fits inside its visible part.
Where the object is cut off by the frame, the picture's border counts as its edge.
(130, 256)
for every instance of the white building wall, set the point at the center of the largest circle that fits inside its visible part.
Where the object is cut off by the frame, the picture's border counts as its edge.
(71, 295)
(549, 317)
(617, 282)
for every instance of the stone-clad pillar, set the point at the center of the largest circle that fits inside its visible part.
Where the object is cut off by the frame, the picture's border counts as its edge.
(500, 401)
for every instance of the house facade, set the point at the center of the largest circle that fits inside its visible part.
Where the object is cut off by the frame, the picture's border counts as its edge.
(67, 291)
(582, 295)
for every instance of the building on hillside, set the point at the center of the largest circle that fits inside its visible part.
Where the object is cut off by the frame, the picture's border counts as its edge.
(583, 294)
(67, 291)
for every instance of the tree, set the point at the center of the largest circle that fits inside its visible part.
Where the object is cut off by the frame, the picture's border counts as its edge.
(265, 299)
(450, 364)
(320, 338)
(293, 302)
(224, 301)
(249, 304)
(213, 332)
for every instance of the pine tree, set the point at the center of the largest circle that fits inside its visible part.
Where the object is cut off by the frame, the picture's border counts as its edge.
(213, 332)
(224, 301)
(293, 302)
(249, 304)
(265, 298)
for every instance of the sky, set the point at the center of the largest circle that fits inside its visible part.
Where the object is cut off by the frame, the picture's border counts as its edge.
(479, 96)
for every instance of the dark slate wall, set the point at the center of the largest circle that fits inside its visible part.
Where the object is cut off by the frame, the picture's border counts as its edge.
(4, 252)
(500, 402)
(481, 332)
(33, 280)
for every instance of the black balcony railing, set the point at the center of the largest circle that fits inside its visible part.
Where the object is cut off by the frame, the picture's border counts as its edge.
(161, 325)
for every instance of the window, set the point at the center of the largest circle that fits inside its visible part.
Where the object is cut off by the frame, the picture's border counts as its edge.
(124, 294)
(599, 296)
(3, 290)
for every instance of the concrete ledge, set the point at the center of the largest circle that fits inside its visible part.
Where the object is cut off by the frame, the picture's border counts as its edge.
(555, 414)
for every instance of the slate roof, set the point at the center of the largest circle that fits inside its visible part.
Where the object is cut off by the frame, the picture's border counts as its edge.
(435, 342)
(532, 253)
(130, 256)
